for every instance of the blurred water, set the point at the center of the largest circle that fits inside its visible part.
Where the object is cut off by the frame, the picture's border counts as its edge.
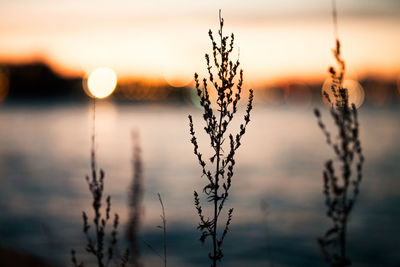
(44, 156)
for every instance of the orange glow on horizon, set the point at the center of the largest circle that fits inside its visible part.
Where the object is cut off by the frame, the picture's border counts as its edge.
(271, 49)
(268, 51)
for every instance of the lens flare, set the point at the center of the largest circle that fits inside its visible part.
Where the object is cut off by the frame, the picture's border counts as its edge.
(195, 98)
(355, 91)
(377, 92)
(274, 95)
(178, 79)
(101, 82)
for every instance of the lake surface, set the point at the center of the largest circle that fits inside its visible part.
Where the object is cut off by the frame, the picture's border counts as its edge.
(45, 155)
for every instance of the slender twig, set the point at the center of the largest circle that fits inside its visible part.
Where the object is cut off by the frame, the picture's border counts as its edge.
(164, 227)
(153, 249)
(334, 18)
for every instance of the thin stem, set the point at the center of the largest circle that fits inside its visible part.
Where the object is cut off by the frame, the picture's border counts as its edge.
(218, 157)
(334, 17)
(93, 166)
(341, 122)
(164, 220)
(153, 249)
(93, 138)
(216, 194)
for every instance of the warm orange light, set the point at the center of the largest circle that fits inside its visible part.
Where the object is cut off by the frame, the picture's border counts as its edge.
(178, 68)
(177, 76)
(101, 82)
(176, 81)
(354, 89)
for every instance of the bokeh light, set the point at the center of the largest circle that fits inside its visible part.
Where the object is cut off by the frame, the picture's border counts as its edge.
(194, 98)
(273, 95)
(141, 91)
(355, 91)
(178, 78)
(298, 94)
(377, 92)
(101, 82)
(178, 68)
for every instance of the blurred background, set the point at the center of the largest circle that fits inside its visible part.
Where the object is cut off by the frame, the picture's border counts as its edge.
(56, 55)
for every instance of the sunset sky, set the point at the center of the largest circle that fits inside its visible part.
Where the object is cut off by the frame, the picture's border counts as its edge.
(167, 39)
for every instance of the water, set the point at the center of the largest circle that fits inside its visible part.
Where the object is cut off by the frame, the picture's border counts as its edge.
(44, 156)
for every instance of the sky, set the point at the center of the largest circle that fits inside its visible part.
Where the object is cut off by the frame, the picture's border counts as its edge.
(278, 39)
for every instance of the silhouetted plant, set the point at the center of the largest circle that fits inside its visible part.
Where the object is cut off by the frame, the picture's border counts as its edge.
(96, 245)
(341, 190)
(135, 201)
(164, 228)
(217, 122)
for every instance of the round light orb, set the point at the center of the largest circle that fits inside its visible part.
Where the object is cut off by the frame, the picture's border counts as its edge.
(354, 89)
(176, 81)
(177, 68)
(101, 82)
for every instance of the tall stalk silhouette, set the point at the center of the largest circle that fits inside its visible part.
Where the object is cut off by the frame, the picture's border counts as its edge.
(341, 190)
(96, 241)
(135, 197)
(217, 120)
